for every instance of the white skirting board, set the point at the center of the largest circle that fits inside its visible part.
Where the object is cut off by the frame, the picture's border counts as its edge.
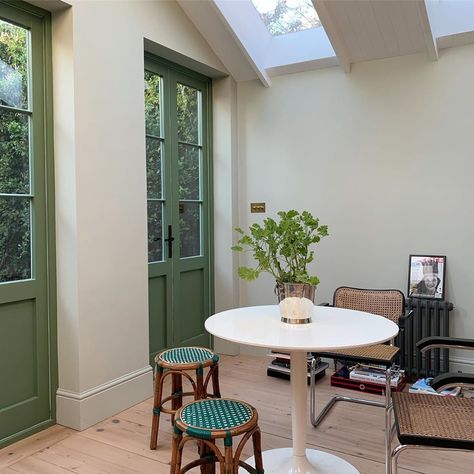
(82, 410)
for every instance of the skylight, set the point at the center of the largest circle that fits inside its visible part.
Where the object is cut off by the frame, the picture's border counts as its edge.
(287, 16)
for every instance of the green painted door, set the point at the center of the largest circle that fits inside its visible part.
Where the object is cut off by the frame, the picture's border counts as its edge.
(178, 190)
(27, 375)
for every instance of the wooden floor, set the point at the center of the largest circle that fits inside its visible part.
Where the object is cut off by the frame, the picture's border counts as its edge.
(119, 445)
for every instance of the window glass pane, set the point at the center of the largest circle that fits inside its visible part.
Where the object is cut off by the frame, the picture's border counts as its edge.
(153, 167)
(188, 171)
(188, 113)
(14, 153)
(287, 16)
(15, 244)
(190, 229)
(152, 104)
(13, 66)
(155, 231)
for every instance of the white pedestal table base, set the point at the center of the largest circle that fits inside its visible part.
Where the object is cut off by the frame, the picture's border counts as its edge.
(282, 461)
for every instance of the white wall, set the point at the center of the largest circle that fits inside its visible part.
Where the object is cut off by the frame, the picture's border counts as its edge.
(383, 155)
(101, 198)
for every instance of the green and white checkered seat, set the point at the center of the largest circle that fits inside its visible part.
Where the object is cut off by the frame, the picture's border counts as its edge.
(210, 419)
(187, 355)
(215, 414)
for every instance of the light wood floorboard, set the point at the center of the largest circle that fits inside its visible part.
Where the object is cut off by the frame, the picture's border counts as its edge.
(119, 445)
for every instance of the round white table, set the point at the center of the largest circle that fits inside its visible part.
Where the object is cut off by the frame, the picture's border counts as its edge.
(331, 328)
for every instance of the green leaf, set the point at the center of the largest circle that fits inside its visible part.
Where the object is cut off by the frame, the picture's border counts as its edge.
(248, 274)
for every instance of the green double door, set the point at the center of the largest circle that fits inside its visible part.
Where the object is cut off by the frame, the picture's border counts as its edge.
(27, 347)
(178, 191)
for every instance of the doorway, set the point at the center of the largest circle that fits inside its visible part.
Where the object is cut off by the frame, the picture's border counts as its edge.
(177, 115)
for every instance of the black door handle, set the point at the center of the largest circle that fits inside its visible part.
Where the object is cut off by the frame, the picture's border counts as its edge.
(170, 242)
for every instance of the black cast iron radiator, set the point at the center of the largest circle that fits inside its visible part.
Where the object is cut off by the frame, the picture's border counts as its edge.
(430, 318)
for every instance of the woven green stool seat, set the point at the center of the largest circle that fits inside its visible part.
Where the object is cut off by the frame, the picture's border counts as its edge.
(186, 356)
(211, 419)
(178, 362)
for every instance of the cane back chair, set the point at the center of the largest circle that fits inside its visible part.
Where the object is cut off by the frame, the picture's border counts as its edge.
(435, 422)
(178, 362)
(387, 303)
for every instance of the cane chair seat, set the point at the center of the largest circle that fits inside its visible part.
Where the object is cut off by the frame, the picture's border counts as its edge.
(193, 356)
(430, 420)
(377, 354)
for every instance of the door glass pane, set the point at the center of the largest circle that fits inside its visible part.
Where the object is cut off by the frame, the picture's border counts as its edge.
(13, 66)
(155, 231)
(15, 243)
(189, 229)
(187, 100)
(188, 171)
(152, 104)
(14, 153)
(153, 167)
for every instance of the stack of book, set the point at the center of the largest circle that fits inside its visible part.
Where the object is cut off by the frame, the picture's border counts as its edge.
(376, 374)
(280, 365)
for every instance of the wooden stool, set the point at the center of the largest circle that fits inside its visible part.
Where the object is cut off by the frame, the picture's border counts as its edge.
(176, 362)
(211, 419)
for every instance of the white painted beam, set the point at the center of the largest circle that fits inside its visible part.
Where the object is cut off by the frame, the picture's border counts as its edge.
(248, 31)
(430, 40)
(333, 34)
(207, 19)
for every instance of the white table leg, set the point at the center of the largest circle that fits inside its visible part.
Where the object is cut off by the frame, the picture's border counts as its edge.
(299, 460)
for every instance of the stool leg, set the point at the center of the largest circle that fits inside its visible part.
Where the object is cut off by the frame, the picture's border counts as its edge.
(200, 393)
(177, 452)
(229, 461)
(204, 451)
(158, 391)
(215, 381)
(257, 450)
(176, 387)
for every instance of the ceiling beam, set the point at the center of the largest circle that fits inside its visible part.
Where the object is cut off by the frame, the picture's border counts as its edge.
(430, 40)
(333, 34)
(240, 18)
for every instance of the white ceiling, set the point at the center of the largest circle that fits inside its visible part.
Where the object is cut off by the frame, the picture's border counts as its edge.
(375, 29)
(354, 31)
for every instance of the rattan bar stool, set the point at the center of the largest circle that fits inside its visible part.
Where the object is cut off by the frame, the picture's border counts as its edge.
(177, 362)
(209, 420)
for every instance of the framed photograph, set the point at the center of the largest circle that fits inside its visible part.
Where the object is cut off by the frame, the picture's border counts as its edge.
(426, 274)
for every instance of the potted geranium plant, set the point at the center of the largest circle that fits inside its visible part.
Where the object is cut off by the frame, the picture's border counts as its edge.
(283, 249)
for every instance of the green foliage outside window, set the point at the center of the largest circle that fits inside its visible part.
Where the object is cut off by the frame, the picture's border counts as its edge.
(15, 244)
(188, 166)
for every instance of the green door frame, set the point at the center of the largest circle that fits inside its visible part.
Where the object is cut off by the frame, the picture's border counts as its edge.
(170, 71)
(39, 23)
